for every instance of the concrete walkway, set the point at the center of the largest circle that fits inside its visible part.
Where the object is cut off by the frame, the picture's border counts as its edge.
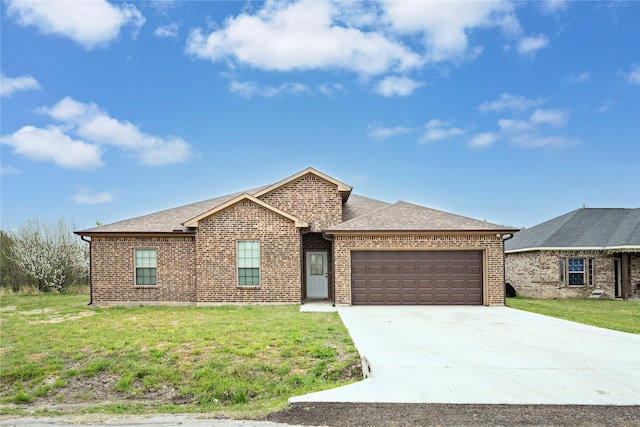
(486, 355)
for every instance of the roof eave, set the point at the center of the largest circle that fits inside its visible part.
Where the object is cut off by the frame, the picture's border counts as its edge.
(174, 233)
(622, 248)
(421, 231)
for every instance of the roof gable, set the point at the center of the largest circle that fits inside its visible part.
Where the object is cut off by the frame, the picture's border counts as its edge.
(343, 188)
(193, 222)
(165, 221)
(403, 216)
(585, 228)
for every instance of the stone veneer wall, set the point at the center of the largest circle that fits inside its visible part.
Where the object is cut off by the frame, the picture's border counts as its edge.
(536, 274)
(216, 256)
(113, 270)
(634, 272)
(310, 198)
(493, 264)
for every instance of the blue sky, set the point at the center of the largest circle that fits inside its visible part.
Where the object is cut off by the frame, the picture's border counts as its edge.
(513, 112)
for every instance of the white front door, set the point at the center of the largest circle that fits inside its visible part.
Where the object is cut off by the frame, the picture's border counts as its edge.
(317, 275)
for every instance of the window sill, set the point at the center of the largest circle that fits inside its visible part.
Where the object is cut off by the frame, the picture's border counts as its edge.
(145, 286)
(247, 286)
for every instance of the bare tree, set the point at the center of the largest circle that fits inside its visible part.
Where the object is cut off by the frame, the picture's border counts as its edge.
(50, 254)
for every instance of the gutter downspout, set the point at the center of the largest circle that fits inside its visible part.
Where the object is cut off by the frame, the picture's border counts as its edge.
(333, 270)
(302, 278)
(504, 265)
(90, 270)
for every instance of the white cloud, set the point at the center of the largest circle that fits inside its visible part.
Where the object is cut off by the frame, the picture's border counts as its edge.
(52, 144)
(331, 88)
(436, 130)
(605, 106)
(633, 76)
(98, 131)
(553, 6)
(555, 118)
(537, 141)
(530, 45)
(515, 127)
(249, 89)
(397, 86)
(507, 101)
(97, 126)
(445, 26)
(283, 36)
(9, 85)
(162, 6)
(68, 110)
(577, 78)
(87, 197)
(167, 31)
(378, 131)
(484, 139)
(91, 24)
(9, 170)
(526, 134)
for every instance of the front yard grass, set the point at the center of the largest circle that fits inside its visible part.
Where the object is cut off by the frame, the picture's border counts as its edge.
(611, 314)
(58, 355)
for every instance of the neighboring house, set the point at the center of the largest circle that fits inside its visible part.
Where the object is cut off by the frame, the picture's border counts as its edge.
(574, 254)
(305, 237)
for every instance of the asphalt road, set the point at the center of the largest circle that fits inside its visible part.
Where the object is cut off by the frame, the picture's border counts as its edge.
(375, 415)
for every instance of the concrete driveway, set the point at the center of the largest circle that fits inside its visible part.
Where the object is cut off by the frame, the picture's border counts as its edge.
(486, 355)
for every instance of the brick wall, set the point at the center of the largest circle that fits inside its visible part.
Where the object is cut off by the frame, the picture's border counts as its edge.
(536, 274)
(216, 256)
(113, 270)
(492, 245)
(310, 198)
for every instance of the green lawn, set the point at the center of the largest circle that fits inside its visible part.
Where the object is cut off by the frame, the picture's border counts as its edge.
(611, 314)
(58, 354)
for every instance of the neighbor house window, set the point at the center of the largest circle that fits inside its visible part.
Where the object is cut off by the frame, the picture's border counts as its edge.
(146, 267)
(248, 263)
(578, 271)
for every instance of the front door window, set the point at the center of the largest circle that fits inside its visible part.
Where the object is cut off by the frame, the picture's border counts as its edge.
(317, 264)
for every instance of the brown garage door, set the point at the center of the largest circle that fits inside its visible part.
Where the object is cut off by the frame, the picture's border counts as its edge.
(416, 277)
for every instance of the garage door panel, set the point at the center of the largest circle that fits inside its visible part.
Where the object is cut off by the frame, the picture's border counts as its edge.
(416, 277)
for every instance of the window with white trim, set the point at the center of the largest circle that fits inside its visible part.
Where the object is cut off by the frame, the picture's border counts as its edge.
(248, 263)
(146, 267)
(576, 271)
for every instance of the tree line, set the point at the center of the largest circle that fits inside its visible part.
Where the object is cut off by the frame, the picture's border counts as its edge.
(47, 256)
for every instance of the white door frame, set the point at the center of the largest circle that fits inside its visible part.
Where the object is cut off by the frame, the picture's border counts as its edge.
(317, 285)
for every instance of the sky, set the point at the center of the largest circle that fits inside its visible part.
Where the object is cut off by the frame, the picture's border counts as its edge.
(509, 111)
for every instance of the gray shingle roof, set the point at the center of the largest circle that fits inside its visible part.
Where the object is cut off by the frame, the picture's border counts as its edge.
(165, 221)
(599, 228)
(403, 216)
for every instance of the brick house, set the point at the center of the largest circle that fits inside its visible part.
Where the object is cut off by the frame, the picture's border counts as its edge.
(577, 253)
(305, 237)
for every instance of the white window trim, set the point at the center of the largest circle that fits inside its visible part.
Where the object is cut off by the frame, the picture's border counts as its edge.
(135, 267)
(259, 267)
